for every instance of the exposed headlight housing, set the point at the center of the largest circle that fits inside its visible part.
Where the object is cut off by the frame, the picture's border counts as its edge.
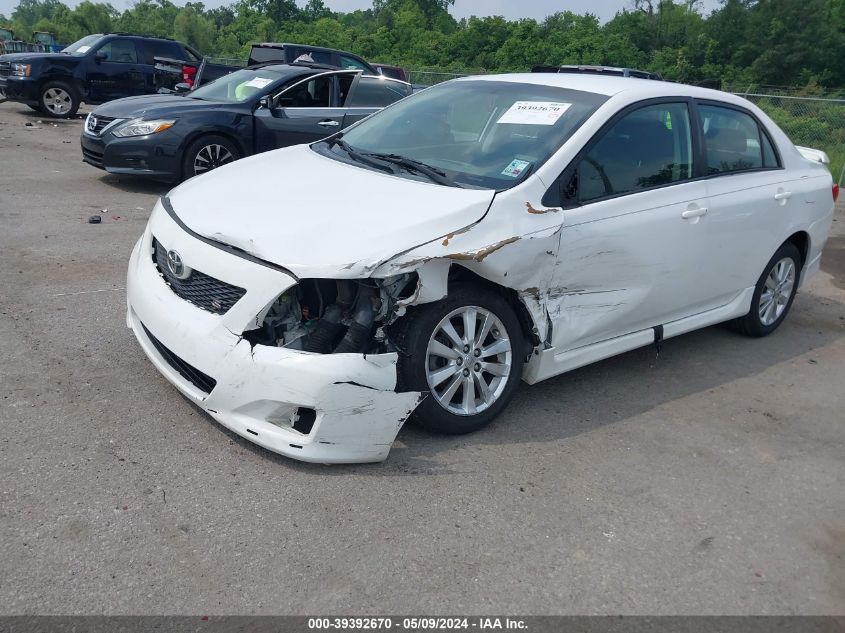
(139, 127)
(21, 70)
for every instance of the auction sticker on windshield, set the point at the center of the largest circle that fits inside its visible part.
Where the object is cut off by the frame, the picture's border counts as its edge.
(515, 168)
(534, 112)
(258, 82)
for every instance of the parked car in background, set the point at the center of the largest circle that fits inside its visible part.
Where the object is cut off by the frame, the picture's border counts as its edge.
(394, 72)
(96, 69)
(282, 53)
(485, 230)
(249, 111)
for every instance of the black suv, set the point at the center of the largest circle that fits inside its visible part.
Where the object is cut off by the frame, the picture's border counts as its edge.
(96, 69)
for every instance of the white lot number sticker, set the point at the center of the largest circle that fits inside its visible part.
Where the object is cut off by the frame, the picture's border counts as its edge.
(534, 112)
(83, 49)
(258, 82)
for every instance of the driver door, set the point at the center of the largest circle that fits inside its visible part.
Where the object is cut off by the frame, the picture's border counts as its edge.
(304, 112)
(115, 71)
(633, 241)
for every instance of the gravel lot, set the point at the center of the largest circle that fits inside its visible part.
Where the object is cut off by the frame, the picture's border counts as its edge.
(708, 480)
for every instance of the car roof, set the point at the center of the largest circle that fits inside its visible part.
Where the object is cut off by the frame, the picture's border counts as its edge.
(631, 87)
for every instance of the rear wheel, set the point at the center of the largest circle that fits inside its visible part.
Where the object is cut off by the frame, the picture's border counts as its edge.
(467, 352)
(774, 293)
(207, 153)
(58, 100)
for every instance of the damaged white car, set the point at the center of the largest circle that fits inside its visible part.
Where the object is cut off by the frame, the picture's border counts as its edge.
(483, 231)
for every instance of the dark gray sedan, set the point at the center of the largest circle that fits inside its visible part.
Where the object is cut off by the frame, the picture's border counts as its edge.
(246, 112)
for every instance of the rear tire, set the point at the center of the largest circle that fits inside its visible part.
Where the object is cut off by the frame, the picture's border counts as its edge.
(207, 153)
(774, 293)
(58, 100)
(467, 352)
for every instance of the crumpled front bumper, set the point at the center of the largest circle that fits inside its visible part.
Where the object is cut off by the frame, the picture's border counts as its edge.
(258, 388)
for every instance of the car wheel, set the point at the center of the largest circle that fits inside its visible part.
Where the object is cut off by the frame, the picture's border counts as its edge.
(466, 352)
(774, 293)
(207, 153)
(58, 100)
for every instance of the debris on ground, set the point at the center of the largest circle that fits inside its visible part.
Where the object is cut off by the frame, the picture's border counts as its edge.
(95, 219)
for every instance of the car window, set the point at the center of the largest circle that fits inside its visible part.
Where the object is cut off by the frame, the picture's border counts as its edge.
(265, 54)
(190, 56)
(160, 48)
(119, 51)
(310, 94)
(376, 92)
(734, 141)
(350, 63)
(649, 147)
(312, 57)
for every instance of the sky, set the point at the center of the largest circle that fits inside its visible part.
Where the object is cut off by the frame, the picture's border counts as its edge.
(537, 9)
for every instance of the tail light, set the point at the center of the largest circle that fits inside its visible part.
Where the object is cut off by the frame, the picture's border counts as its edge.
(188, 74)
(835, 192)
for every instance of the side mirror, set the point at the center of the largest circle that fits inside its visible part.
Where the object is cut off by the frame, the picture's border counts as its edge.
(265, 102)
(98, 57)
(181, 88)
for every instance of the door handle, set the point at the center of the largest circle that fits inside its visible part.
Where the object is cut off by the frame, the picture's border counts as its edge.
(783, 195)
(694, 213)
(328, 123)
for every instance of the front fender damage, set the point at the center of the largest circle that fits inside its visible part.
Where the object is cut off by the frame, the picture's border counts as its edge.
(342, 327)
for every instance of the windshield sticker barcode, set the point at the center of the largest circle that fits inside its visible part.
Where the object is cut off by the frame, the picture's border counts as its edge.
(534, 112)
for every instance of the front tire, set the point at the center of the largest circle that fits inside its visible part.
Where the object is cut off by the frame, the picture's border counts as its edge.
(207, 153)
(774, 293)
(58, 100)
(466, 352)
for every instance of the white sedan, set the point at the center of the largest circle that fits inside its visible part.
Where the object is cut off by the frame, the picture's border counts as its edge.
(486, 230)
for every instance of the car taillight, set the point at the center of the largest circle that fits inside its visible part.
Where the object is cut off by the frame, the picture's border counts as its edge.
(835, 192)
(188, 74)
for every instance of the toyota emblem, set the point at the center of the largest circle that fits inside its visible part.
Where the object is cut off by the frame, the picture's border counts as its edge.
(177, 266)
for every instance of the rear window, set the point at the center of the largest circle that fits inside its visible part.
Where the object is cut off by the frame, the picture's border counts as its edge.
(734, 141)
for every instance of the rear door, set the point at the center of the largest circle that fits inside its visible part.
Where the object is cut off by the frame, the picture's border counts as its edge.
(150, 49)
(751, 199)
(116, 71)
(304, 112)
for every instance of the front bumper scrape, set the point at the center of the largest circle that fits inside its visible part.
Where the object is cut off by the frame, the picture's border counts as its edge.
(258, 389)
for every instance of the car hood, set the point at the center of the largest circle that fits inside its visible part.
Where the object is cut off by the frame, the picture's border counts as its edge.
(29, 57)
(319, 217)
(149, 106)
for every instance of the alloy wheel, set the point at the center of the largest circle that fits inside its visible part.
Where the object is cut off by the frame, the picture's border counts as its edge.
(468, 360)
(210, 157)
(57, 101)
(777, 291)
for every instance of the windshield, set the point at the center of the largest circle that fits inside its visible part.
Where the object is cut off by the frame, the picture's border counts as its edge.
(238, 86)
(80, 47)
(486, 134)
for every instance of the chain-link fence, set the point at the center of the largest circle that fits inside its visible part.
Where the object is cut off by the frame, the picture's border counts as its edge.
(815, 122)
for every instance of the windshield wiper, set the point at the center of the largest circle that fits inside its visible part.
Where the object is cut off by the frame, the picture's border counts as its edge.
(360, 156)
(410, 164)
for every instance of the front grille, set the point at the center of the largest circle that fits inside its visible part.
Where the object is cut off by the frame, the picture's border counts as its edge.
(96, 124)
(92, 157)
(201, 381)
(202, 290)
(5, 69)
